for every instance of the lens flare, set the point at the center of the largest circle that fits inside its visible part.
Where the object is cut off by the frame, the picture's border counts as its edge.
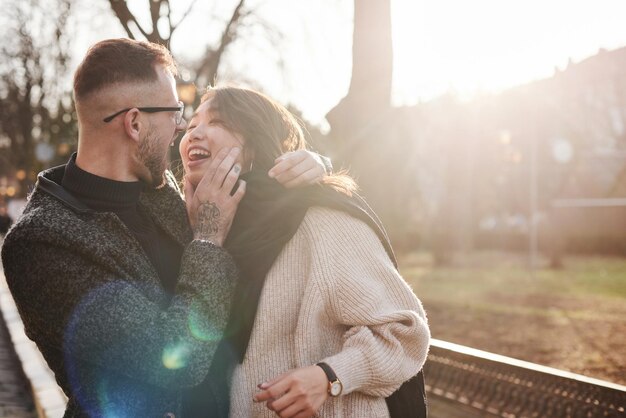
(104, 389)
(107, 407)
(200, 324)
(175, 355)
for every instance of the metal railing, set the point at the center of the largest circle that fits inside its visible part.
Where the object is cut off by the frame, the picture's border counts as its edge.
(495, 385)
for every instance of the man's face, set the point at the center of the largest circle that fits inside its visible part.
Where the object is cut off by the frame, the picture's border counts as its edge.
(152, 156)
(161, 130)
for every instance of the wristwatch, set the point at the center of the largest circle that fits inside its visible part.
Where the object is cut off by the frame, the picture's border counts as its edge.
(335, 387)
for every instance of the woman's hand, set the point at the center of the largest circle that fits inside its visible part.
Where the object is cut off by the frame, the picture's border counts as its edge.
(210, 206)
(299, 393)
(298, 168)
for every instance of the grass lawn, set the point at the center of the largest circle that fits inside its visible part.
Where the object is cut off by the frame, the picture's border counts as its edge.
(572, 319)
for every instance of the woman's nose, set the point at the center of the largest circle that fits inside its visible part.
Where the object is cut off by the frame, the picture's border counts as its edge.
(195, 135)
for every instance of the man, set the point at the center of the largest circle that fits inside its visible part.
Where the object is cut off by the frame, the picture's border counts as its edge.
(124, 299)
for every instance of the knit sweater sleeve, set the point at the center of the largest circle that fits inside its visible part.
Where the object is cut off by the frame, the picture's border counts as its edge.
(387, 336)
(100, 321)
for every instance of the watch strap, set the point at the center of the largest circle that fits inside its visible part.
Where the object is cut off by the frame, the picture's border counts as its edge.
(330, 373)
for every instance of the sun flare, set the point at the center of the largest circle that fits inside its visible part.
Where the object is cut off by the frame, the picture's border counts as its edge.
(488, 45)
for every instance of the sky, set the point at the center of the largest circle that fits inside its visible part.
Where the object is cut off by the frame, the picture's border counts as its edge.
(460, 46)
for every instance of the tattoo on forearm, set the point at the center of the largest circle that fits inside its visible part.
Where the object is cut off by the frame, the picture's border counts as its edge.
(208, 220)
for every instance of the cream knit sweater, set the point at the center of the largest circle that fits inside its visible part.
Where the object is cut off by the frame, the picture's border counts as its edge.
(334, 295)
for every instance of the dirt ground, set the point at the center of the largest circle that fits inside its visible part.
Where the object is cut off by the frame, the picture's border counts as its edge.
(590, 346)
(579, 331)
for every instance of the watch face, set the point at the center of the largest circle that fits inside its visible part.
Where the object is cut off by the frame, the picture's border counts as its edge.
(335, 388)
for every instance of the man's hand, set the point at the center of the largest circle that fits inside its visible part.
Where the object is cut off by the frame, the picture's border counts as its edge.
(298, 168)
(210, 206)
(299, 393)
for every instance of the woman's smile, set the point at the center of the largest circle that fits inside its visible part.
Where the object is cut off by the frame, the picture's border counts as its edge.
(205, 137)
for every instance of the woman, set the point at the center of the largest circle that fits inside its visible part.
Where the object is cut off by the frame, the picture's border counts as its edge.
(322, 321)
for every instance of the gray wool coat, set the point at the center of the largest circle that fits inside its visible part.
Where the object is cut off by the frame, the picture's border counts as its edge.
(92, 302)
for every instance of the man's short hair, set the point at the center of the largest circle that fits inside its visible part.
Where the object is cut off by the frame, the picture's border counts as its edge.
(120, 61)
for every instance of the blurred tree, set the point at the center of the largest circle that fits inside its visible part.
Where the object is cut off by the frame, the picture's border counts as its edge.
(370, 136)
(242, 22)
(162, 29)
(369, 96)
(37, 119)
(35, 111)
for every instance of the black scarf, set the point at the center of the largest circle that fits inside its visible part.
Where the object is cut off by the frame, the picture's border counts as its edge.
(267, 218)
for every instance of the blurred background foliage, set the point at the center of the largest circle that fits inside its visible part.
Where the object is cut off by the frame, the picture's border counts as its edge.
(526, 169)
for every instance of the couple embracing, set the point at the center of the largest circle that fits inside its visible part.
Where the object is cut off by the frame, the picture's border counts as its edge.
(267, 287)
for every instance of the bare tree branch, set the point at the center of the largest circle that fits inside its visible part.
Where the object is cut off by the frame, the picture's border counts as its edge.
(189, 9)
(241, 19)
(169, 21)
(274, 34)
(208, 66)
(125, 16)
(155, 15)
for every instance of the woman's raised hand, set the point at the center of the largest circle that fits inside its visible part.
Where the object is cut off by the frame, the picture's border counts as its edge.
(298, 168)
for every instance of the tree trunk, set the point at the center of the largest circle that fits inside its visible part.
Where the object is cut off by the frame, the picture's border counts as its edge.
(369, 95)
(365, 133)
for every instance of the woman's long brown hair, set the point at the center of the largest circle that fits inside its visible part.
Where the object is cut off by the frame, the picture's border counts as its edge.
(268, 128)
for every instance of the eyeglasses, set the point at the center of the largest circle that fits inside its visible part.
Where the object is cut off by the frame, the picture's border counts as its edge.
(178, 110)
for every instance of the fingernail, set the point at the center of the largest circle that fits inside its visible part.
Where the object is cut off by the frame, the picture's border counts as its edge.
(254, 399)
(271, 174)
(236, 150)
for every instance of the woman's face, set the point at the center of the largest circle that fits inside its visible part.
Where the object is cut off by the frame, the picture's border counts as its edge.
(206, 135)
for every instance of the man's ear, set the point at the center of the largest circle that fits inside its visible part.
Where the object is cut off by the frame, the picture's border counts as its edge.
(133, 124)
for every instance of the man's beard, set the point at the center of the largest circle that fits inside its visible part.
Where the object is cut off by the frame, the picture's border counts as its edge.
(152, 157)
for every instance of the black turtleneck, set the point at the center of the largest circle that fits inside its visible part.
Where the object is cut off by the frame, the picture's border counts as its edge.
(122, 198)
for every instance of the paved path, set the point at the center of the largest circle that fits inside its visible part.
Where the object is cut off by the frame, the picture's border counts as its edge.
(27, 386)
(15, 395)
